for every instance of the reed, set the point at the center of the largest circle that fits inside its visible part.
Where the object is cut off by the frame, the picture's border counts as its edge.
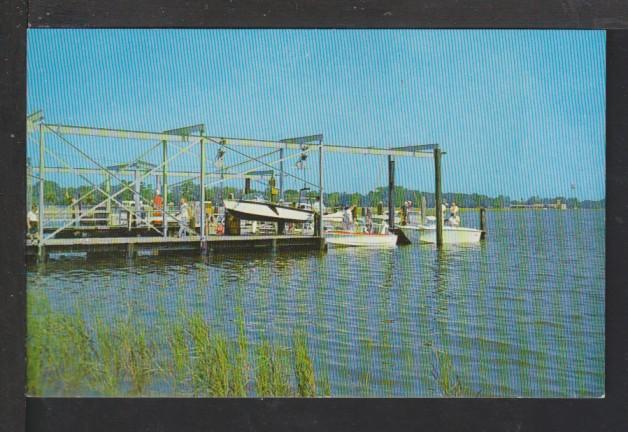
(303, 367)
(272, 378)
(446, 377)
(179, 356)
(111, 371)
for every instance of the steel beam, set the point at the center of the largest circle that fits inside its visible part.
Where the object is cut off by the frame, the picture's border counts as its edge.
(118, 133)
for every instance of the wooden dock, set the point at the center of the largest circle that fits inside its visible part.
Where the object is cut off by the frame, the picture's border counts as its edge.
(154, 246)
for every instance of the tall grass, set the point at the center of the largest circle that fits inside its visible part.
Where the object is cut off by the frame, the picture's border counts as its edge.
(447, 380)
(68, 354)
(304, 368)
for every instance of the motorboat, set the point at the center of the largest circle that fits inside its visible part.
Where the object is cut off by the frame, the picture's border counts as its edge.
(426, 233)
(362, 239)
(267, 211)
(343, 237)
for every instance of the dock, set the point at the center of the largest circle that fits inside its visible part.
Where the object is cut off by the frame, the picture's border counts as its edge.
(86, 205)
(132, 247)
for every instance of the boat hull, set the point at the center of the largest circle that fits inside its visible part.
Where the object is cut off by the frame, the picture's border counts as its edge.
(262, 211)
(350, 239)
(451, 235)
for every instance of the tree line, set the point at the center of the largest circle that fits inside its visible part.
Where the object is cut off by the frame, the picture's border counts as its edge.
(55, 194)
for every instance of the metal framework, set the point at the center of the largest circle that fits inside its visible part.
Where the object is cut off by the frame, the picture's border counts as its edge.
(182, 140)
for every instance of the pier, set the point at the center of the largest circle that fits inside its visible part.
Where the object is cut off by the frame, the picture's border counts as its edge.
(128, 202)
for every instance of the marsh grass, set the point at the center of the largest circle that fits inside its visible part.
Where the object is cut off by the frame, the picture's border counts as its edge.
(303, 367)
(69, 355)
(272, 375)
(446, 378)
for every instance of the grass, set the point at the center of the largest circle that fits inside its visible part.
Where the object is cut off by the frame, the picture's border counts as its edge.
(68, 355)
(446, 378)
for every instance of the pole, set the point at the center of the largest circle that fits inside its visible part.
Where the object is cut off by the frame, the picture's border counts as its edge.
(483, 222)
(164, 174)
(281, 173)
(108, 190)
(136, 196)
(391, 191)
(320, 188)
(439, 198)
(202, 189)
(423, 209)
(42, 176)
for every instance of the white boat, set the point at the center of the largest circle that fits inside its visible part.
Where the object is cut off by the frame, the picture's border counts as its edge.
(350, 238)
(451, 234)
(266, 211)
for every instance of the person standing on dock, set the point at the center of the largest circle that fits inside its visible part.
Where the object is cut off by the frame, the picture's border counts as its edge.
(32, 221)
(184, 218)
(158, 201)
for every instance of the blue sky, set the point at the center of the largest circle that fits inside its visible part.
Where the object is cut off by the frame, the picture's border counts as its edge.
(519, 113)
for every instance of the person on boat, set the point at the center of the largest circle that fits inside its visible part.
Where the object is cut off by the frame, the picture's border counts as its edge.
(346, 219)
(369, 221)
(453, 220)
(32, 221)
(454, 209)
(380, 208)
(184, 217)
(404, 213)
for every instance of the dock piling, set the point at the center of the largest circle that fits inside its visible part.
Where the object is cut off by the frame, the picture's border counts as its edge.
(483, 223)
(391, 192)
(438, 195)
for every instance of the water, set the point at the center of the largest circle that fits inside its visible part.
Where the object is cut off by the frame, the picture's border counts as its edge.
(522, 314)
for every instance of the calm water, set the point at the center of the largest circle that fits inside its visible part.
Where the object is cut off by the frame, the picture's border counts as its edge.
(520, 315)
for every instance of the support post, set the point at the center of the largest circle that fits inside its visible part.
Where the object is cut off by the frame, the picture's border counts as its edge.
(42, 176)
(423, 209)
(108, 190)
(247, 185)
(391, 192)
(202, 190)
(164, 175)
(281, 151)
(483, 223)
(320, 188)
(136, 196)
(438, 195)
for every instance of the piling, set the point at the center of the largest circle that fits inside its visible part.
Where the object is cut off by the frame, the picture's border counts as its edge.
(439, 198)
(423, 209)
(483, 223)
(391, 192)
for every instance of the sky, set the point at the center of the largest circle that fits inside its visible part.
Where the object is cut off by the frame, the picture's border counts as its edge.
(519, 113)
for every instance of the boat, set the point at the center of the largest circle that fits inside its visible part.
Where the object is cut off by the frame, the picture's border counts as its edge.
(267, 211)
(451, 234)
(350, 238)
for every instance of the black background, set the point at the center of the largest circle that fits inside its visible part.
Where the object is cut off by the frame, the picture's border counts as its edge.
(82, 414)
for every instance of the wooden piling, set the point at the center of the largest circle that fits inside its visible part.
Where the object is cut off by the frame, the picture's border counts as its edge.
(423, 209)
(391, 192)
(483, 223)
(438, 195)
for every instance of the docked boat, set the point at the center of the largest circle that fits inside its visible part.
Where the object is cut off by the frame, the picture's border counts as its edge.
(350, 238)
(451, 234)
(267, 211)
